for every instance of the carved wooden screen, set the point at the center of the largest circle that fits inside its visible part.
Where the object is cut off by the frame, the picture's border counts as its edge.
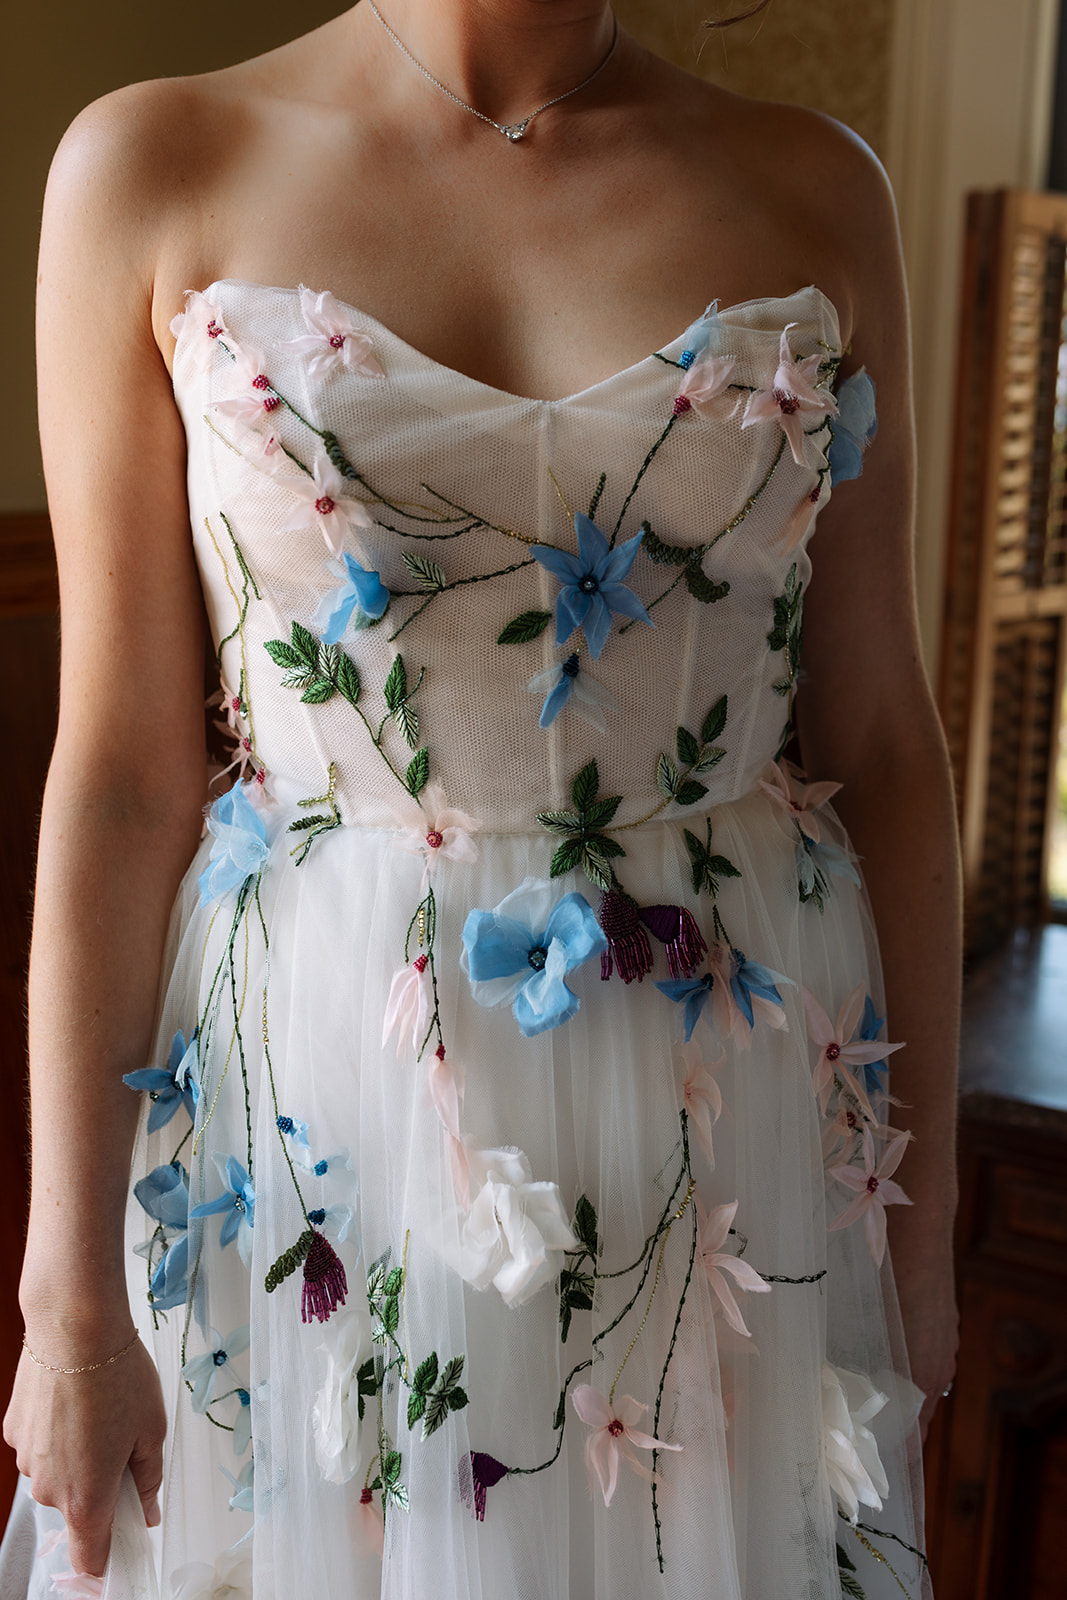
(1005, 625)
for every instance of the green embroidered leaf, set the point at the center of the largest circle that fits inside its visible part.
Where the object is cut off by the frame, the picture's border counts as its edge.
(846, 1571)
(710, 757)
(397, 1495)
(667, 555)
(311, 822)
(283, 655)
(396, 684)
(528, 625)
(318, 692)
(436, 1412)
(715, 721)
(376, 1275)
(391, 1315)
(367, 1385)
(667, 776)
(602, 845)
(578, 1288)
(376, 1481)
(348, 680)
(426, 1372)
(722, 867)
(458, 1398)
(452, 1373)
(566, 857)
(327, 660)
(418, 771)
(306, 643)
(407, 720)
(702, 588)
(595, 501)
(596, 868)
(427, 574)
(395, 1281)
(585, 786)
(689, 793)
(560, 821)
(688, 748)
(601, 812)
(288, 1261)
(391, 1467)
(585, 1224)
(416, 1407)
(782, 687)
(844, 1559)
(378, 1333)
(337, 455)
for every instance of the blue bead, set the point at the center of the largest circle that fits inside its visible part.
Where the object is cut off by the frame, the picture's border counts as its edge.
(321, 1169)
(285, 1124)
(686, 359)
(318, 1217)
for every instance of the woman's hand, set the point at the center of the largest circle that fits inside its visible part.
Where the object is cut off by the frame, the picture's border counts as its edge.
(75, 1434)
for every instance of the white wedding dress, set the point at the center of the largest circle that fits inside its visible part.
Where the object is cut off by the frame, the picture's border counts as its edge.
(474, 1278)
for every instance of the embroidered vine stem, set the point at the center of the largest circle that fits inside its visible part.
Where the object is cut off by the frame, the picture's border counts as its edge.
(881, 1559)
(457, 583)
(674, 1331)
(206, 1027)
(424, 924)
(883, 1533)
(267, 1055)
(642, 469)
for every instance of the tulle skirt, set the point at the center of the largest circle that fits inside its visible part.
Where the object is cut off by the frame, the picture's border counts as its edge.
(515, 1283)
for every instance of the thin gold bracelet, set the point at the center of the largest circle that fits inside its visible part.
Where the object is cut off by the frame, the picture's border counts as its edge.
(93, 1366)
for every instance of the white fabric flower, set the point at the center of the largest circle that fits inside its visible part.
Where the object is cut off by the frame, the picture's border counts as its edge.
(333, 339)
(434, 828)
(516, 1230)
(229, 1579)
(335, 1422)
(325, 503)
(853, 1465)
(201, 325)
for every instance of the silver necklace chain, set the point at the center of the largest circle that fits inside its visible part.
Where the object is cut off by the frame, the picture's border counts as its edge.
(513, 131)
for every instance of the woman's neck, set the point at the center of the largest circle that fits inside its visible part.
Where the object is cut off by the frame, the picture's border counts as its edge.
(503, 57)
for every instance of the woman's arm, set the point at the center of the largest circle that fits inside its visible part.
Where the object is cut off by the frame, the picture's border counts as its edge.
(867, 720)
(122, 805)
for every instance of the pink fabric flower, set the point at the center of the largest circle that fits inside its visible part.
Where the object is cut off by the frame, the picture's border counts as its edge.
(795, 528)
(407, 1010)
(445, 1083)
(707, 379)
(77, 1586)
(714, 1231)
(613, 1437)
(324, 501)
(253, 400)
(370, 1525)
(333, 339)
(434, 829)
(701, 1095)
(874, 1190)
(838, 1051)
(201, 326)
(793, 397)
(796, 800)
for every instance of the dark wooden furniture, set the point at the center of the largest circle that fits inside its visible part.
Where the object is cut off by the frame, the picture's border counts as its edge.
(997, 1464)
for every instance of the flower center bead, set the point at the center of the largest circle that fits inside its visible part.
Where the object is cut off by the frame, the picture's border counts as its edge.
(238, 1204)
(435, 839)
(682, 404)
(850, 1118)
(420, 963)
(337, 341)
(588, 584)
(285, 1124)
(365, 1497)
(261, 381)
(570, 666)
(321, 1168)
(833, 1050)
(220, 1358)
(872, 1184)
(325, 506)
(787, 403)
(615, 1427)
(271, 403)
(213, 329)
(318, 1217)
(537, 957)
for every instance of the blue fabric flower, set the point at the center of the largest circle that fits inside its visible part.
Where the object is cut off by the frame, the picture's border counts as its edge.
(819, 855)
(523, 949)
(564, 680)
(164, 1194)
(362, 592)
(871, 1025)
(171, 1086)
(243, 1497)
(242, 1427)
(238, 1201)
(703, 334)
(854, 427)
(751, 978)
(693, 993)
(295, 1129)
(593, 590)
(203, 1372)
(240, 847)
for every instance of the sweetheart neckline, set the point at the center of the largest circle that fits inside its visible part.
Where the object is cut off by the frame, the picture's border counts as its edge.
(506, 396)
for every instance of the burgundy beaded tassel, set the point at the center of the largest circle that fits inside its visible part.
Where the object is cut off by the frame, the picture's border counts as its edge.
(679, 932)
(483, 1473)
(628, 946)
(325, 1284)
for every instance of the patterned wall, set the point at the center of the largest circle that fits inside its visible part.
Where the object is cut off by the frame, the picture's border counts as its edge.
(830, 54)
